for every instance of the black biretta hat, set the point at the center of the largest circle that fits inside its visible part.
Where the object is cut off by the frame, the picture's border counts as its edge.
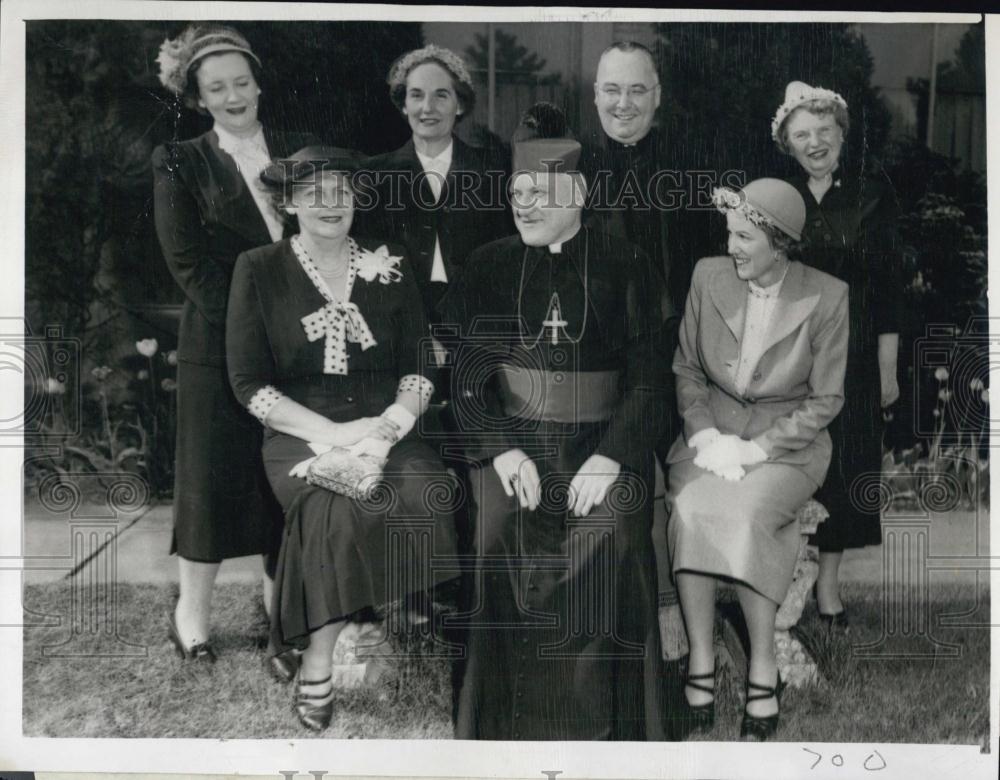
(544, 143)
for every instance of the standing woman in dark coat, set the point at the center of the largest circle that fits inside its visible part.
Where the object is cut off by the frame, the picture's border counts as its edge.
(851, 231)
(208, 210)
(436, 194)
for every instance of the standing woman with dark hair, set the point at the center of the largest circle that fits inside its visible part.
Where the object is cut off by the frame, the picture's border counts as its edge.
(436, 194)
(209, 208)
(851, 230)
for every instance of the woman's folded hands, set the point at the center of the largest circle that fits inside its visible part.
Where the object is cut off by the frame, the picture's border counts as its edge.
(370, 436)
(725, 454)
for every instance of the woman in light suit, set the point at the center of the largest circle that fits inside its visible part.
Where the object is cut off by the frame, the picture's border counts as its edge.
(760, 374)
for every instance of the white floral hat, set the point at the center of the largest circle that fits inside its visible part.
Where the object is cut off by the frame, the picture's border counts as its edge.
(797, 93)
(766, 202)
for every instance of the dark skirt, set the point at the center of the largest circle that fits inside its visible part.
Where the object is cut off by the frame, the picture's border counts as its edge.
(856, 462)
(340, 556)
(563, 638)
(223, 507)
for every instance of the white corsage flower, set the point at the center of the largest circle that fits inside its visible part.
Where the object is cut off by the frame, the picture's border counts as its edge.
(381, 264)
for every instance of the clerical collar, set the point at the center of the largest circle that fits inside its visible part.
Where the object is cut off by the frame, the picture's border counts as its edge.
(647, 139)
(557, 248)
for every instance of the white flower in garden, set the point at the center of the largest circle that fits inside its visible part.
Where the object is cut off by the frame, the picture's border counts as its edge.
(976, 384)
(944, 395)
(936, 412)
(143, 374)
(941, 374)
(54, 387)
(147, 347)
(100, 373)
(171, 357)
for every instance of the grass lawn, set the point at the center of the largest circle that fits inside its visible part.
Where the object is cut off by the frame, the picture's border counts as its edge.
(923, 700)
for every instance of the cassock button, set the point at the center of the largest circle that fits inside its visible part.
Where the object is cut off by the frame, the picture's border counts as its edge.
(350, 399)
(827, 237)
(517, 716)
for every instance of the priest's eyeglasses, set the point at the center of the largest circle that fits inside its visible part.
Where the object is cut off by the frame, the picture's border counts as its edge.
(634, 92)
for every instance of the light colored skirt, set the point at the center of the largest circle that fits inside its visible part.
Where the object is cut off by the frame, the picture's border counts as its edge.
(744, 531)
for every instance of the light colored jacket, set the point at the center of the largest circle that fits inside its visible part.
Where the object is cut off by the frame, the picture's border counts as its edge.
(797, 387)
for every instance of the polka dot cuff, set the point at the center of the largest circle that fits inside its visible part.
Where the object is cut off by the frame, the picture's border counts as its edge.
(415, 383)
(263, 401)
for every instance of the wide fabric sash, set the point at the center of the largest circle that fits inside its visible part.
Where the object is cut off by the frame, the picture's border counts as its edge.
(558, 396)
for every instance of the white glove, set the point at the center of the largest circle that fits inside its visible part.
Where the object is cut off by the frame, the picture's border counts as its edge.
(704, 438)
(401, 417)
(727, 455)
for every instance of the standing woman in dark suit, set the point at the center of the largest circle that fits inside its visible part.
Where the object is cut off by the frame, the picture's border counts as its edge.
(436, 194)
(851, 230)
(208, 210)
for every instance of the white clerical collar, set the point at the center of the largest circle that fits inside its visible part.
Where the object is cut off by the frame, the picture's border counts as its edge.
(229, 142)
(443, 159)
(556, 248)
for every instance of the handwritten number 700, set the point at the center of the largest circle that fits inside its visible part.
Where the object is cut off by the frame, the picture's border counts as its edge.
(873, 763)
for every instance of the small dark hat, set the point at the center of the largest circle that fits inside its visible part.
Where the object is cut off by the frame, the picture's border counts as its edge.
(543, 141)
(305, 164)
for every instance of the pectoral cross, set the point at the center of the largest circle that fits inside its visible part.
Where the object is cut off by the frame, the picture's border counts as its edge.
(555, 320)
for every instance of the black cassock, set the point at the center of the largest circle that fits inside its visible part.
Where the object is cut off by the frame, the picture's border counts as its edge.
(560, 356)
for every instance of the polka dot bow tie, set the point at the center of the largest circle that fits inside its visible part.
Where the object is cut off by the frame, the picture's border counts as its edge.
(338, 323)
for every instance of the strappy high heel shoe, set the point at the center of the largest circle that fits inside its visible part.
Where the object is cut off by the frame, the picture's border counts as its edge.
(315, 717)
(700, 717)
(761, 728)
(200, 652)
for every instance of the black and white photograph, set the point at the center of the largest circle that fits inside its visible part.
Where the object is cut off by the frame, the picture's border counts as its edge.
(474, 386)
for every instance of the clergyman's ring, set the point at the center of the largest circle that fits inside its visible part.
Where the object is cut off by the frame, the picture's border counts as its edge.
(513, 478)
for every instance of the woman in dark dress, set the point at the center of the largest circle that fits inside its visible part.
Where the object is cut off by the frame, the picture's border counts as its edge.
(208, 209)
(450, 197)
(851, 231)
(324, 335)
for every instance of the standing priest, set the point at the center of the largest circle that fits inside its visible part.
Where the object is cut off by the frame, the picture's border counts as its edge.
(560, 395)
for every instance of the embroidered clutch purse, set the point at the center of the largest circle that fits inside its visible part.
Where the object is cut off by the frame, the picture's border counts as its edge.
(341, 471)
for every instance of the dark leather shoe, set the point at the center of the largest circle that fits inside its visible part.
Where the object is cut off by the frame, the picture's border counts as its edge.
(315, 717)
(285, 665)
(760, 729)
(200, 652)
(699, 717)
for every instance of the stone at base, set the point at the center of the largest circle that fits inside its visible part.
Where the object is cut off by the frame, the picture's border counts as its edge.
(795, 665)
(673, 636)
